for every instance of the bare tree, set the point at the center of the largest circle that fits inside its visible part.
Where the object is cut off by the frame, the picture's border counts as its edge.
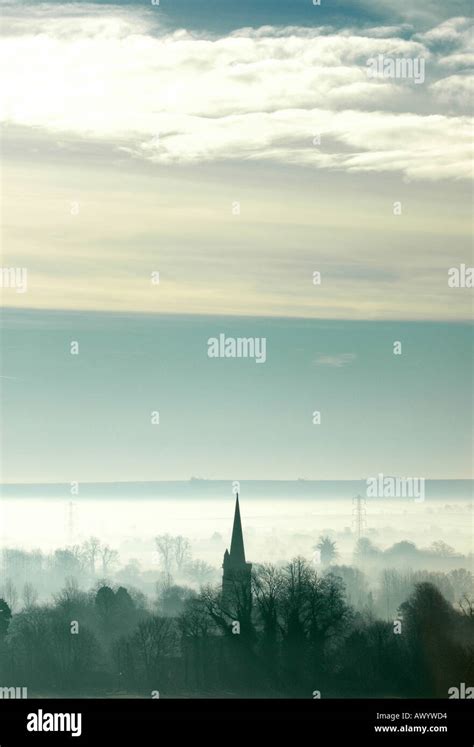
(462, 581)
(182, 552)
(90, 551)
(199, 571)
(267, 584)
(441, 548)
(212, 602)
(466, 605)
(235, 605)
(108, 557)
(165, 546)
(155, 640)
(194, 622)
(297, 579)
(77, 552)
(10, 594)
(70, 595)
(29, 596)
(5, 617)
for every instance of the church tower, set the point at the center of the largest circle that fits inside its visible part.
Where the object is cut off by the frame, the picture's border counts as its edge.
(236, 586)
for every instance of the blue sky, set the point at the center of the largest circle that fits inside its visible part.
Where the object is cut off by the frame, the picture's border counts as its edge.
(87, 417)
(224, 15)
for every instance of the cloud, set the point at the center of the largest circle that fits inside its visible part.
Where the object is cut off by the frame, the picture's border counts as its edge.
(455, 32)
(112, 73)
(455, 91)
(335, 361)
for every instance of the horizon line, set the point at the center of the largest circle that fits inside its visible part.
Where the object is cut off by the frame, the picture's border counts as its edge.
(223, 479)
(130, 312)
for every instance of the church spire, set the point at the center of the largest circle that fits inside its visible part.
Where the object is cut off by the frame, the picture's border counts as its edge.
(237, 576)
(237, 552)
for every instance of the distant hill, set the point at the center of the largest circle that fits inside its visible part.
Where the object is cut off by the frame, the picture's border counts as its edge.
(271, 489)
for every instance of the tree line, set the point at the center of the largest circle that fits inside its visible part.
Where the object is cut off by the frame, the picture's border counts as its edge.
(297, 634)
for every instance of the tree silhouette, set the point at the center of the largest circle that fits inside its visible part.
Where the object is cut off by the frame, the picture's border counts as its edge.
(106, 605)
(442, 548)
(196, 637)
(108, 558)
(182, 552)
(155, 640)
(365, 550)
(165, 547)
(5, 617)
(91, 550)
(29, 595)
(199, 571)
(172, 599)
(267, 586)
(431, 621)
(327, 549)
(291, 631)
(10, 594)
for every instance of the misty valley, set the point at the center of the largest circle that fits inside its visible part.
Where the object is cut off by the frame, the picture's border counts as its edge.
(198, 598)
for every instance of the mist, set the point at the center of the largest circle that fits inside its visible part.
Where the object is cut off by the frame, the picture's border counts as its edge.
(434, 536)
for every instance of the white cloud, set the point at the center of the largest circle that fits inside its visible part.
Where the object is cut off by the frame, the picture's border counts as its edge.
(337, 360)
(454, 30)
(255, 94)
(455, 91)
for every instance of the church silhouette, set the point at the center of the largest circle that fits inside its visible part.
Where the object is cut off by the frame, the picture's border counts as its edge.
(236, 578)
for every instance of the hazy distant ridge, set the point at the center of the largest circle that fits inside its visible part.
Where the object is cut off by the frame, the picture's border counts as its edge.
(435, 489)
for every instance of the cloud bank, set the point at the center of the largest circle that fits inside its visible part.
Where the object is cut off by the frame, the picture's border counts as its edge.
(288, 95)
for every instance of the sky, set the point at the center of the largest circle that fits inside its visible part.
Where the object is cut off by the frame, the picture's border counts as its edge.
(235, 149)
(89, 416)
